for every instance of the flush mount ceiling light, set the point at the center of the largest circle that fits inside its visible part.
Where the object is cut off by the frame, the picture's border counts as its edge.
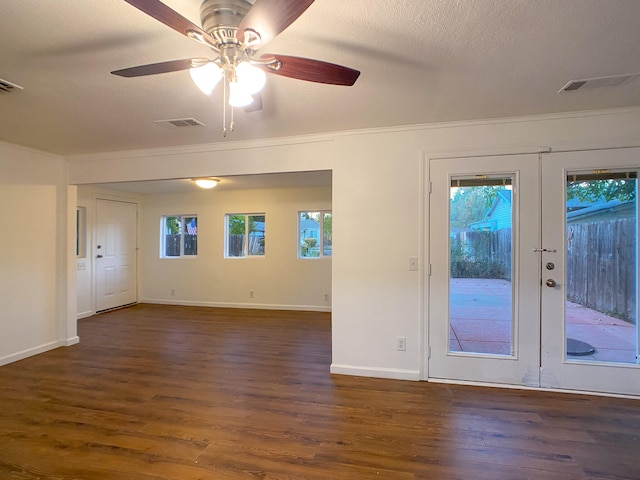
(207, 182)
(235, 30)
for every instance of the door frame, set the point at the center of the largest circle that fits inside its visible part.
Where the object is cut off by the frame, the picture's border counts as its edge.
(136, 260)
(571, 373)
(425, 279)
(521, 367)
(425, 247)
(87, 196)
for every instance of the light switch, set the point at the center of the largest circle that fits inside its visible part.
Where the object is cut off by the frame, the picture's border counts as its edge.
(413, 264)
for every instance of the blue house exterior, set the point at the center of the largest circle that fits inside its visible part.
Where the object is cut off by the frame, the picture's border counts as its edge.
(498, 216)
(579, 211)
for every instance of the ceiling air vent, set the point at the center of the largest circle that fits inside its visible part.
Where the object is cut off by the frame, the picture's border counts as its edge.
(179, 123)
(598, 82)
(8, 87)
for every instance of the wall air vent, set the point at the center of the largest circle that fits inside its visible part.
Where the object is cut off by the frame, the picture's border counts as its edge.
(8, 87)
(179, 123)
(599, 82)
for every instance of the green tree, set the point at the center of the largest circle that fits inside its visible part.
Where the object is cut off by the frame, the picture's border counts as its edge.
(328, 225)
(237, 224)
(173, 225)
(607, 189)
(470, 204)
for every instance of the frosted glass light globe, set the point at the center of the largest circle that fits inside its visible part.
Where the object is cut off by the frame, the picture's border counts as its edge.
(238, 96)
(206, 77)
(250, 77)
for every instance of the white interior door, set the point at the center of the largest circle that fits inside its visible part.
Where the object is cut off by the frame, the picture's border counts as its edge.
(590, 305)
(116, 263)
(560, 310)
(484, 325)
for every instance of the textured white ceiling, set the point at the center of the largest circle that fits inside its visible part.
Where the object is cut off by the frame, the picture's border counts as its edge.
(421, 62)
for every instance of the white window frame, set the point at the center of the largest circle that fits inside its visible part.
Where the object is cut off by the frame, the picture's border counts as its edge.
(321, 234)
(245, 246)
(182, 233)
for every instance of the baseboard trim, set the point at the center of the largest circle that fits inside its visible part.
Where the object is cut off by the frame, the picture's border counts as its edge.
(82, 315)
(70, 341)
(30, 352)
(390, 373)
(255, 306)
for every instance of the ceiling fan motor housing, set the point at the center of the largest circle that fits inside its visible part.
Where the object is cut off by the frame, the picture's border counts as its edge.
(220, 18)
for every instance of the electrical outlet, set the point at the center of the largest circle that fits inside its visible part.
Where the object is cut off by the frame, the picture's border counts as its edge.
(250, 293)
(401, 344)
(173, 292)
(326, 297)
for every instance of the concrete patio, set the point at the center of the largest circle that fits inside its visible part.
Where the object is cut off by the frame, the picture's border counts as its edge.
(481, 323)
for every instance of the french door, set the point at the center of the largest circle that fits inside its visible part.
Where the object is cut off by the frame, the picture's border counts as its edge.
(534, 262)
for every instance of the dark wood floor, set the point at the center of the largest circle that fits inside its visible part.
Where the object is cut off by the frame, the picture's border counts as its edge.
(158, 392)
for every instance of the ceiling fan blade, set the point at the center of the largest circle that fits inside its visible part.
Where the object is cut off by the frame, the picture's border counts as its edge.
(162, 67)
(173, 19)
(310, 70)
(268, 18)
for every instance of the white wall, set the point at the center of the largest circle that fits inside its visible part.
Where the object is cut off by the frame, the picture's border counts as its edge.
(379, 210)
(278, 280)
(380, 175)
(34, 254)
(87, 197)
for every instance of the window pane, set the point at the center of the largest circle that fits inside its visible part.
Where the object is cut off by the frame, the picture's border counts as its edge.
(481, 292)
(327, 229)
(191, 236)
(81, 234)
(172, 231)
(236, 229)
(309, 234)
(256, 234)
(601, 268)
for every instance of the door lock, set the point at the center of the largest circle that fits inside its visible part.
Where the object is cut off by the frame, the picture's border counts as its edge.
(99, 256)
(550, 265)
(551, 283)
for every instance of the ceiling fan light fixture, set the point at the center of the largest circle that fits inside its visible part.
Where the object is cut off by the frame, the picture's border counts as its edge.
(238, 96)
(206, 183)
(206, 77)
(250, 77)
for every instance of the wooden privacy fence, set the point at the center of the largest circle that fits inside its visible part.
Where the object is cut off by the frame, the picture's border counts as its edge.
(172, 245)
(481, 254)
(601, 263)
(601, 266)
(236, 245)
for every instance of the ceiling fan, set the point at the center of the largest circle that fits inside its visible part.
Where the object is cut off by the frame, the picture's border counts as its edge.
(235, 30)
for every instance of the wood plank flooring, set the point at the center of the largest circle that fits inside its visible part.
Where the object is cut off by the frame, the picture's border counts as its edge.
(185, 393)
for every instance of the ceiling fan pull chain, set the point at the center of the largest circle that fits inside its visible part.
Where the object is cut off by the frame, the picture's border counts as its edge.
(232, 124)
(224, 108)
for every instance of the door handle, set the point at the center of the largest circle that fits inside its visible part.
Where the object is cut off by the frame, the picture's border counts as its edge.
(99, 256)
(551, 283)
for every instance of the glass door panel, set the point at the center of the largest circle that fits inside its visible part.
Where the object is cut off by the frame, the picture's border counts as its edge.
(480, 244)
(484, 317)
(589, 297)
(601, 291)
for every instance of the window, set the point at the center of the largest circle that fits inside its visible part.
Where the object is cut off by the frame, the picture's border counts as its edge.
(245, 235)
(179, 236)
(81, 232)
(315, 234)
